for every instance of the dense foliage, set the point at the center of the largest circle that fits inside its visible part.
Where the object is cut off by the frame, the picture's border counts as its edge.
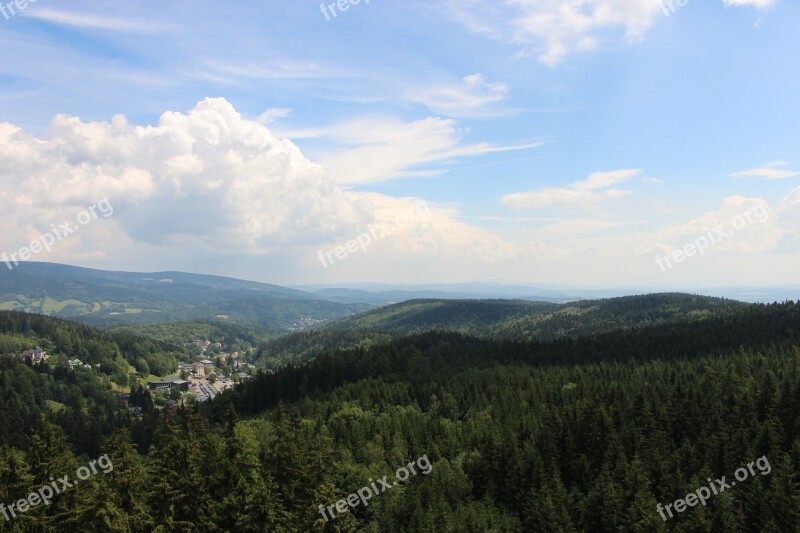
(576, 433)
(235, 337)
(494, 319)
(93, 347)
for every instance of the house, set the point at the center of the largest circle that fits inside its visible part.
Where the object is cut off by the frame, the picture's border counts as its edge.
(169, 383)
(77, 363)
(203, 368)
(34, 356)
(244, 377)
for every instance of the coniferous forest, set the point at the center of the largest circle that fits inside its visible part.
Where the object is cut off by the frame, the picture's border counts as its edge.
(582, 432)
(392, 266)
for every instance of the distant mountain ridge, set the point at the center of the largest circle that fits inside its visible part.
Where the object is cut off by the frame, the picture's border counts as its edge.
(386, 293)
(106, 298)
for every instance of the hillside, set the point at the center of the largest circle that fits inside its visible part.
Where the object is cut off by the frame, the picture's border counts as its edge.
(606, 425)
(493, 319)
(105, 298)
(571, 434)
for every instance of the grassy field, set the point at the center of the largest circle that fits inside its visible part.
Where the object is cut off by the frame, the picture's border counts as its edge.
(50, 305)
(54, 406)
(148, 379)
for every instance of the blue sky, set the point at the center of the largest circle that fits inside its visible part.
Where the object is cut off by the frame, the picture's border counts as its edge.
(571, 142)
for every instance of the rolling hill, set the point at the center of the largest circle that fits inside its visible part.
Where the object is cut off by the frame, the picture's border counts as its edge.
(105, 298)
(517, 320)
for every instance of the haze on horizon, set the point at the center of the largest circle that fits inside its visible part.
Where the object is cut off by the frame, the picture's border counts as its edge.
(514, 142)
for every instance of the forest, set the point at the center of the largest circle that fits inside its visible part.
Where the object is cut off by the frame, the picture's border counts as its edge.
(586, 432)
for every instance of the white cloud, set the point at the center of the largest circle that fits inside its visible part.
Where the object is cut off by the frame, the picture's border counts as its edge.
(226, 73)
(577, 226)
(551, 30)
(272, 114)
(470, 98)
(381, 149)
(98, 22)
(207, 186)
(208, 177)
(591, 191)
(760, 4)
(788, 212)
(769, 171)
(749, 224)
(440, 234)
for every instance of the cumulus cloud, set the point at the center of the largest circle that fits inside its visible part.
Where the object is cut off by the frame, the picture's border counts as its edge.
(209, 184)
(789, 218)
(741, 225)
(591, 191)
(440, 233)
(207, 176)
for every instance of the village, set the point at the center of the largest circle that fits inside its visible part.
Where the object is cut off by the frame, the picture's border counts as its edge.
(198, 381)
(202, 380)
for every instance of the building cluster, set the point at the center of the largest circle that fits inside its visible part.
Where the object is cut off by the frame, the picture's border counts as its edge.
(305, 323)
(204, 344)
(198, 369)
(77, 363)
(169, 383)
(34, 356)
(37, 355)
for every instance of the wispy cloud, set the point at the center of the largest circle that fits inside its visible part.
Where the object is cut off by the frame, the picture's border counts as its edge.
(268, 70)
(591, 191)
(551, 30)
(381, 149)
(272, 114)
(98, 22)
(470, 98)
(769, 171)
(760, 4)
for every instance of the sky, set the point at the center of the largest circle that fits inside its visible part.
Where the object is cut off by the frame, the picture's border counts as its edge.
(584, 143)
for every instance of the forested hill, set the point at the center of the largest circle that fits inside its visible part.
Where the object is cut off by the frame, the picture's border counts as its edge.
(82, 400)
(571, 434)
(106, 298)
(519, 319)
(577, 433)
(65, 339)
(422, 356)
(493, 319)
